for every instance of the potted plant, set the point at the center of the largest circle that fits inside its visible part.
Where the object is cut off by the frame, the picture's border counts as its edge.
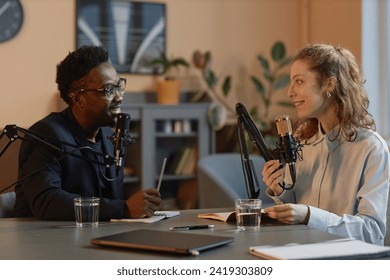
(168, 88)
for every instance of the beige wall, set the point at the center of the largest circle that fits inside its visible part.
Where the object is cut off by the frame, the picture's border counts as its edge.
(235, 31)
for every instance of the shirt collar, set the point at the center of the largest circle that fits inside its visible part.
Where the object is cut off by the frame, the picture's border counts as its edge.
(329, 137)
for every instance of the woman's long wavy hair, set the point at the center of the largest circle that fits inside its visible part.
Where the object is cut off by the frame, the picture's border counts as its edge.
(348, 97)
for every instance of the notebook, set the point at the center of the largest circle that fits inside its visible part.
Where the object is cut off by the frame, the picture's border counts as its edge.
(158, 216)
(163, 241)
(344, 248)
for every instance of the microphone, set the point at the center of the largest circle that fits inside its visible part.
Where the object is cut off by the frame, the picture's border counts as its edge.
(121, 138)
(288, 148)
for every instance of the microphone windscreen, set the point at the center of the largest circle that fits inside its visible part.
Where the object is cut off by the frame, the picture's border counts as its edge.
(122, 123)
(283, 125)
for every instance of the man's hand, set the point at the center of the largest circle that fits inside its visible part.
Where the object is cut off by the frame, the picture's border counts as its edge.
(143, 203)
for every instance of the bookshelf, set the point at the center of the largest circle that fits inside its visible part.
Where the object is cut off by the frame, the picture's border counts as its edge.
(179, 132)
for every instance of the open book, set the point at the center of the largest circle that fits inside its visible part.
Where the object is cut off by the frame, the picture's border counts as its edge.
(220, 216)
(346, 248)
(158, 215)
(225, 216)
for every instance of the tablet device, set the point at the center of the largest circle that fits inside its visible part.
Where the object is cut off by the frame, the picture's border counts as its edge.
(163, 241)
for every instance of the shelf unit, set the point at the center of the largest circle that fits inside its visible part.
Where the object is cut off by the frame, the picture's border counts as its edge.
(164, 131)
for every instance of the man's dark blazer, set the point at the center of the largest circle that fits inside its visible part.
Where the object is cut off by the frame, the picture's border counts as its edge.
(49, 194)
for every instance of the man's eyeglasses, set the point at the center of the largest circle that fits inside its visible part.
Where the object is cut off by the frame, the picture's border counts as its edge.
(109, 90)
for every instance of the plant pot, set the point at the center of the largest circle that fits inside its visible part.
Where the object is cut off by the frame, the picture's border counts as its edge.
(168, 92)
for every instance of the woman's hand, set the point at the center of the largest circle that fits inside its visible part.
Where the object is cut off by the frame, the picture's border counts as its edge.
(289, 213)
(273, 176)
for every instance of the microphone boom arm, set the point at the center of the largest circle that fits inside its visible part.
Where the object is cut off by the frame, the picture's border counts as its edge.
(11, 131)
(245, 123)
(13, 134)
(256, 138)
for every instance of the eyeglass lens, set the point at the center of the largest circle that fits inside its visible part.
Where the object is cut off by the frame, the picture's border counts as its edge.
(119, 89)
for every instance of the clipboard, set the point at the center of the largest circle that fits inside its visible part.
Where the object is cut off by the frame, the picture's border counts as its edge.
(163, 241)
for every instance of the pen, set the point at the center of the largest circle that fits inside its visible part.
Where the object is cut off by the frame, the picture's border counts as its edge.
(161, 173)
(191, 227)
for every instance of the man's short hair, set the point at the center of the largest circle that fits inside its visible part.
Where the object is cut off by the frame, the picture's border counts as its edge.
(76, 65)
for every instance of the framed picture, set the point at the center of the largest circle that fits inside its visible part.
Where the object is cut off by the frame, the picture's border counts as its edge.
(133, 32)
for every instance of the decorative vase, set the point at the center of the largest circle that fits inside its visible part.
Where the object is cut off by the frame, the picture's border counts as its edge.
(168, 92)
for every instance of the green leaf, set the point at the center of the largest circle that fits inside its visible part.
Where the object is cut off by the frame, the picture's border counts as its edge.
(226, 86)
(213, 118)
(278, 51)
(156, 61)
(258, 85)
(269, 77)
(164, 64)
(281, 81)
(253, 113)
(264, 65)
(207, 58)
(210, 78)
(180, 61)
(285, 61)
(263, 124)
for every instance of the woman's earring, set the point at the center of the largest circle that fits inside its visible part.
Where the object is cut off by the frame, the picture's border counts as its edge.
(328, 94)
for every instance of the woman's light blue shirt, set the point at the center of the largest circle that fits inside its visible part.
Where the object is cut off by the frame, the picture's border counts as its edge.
(345, 184)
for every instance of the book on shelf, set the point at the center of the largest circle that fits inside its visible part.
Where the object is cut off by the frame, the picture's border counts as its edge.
(182, 161)
(185, 158)
(190, 164)
(344, 248)
(174, 160)
(180, 165)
